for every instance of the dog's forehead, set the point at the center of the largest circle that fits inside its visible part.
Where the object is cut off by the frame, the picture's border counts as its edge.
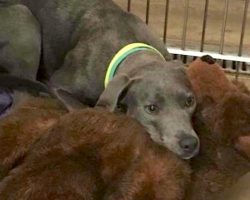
(177, 73)
(160, 89)
(166, 79)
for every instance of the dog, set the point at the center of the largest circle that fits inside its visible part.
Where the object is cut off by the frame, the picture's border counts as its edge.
(90, 45)
(20, 41)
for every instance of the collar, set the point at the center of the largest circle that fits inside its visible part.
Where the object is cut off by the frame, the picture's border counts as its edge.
(122, 55)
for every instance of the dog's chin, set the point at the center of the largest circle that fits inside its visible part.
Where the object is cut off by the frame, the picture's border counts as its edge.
(184, 155)
(187, 156)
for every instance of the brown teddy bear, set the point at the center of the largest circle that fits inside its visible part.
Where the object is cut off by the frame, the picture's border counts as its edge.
(95, 154)
(222, 121)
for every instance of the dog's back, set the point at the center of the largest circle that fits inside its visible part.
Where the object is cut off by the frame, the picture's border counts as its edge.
(81, 37)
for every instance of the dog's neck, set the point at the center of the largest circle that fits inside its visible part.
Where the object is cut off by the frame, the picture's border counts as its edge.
(135, 62)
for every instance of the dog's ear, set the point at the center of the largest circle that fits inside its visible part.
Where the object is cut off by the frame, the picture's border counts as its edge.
(15, 83)
(116, 89)
(68, 100)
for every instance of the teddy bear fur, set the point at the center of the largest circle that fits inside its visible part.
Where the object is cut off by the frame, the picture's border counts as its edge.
(25, 122)
(239, 191)
(222, 118)
(228, 102)
(94, 154)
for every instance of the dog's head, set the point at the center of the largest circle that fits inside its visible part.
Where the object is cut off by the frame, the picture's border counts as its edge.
(161, 99)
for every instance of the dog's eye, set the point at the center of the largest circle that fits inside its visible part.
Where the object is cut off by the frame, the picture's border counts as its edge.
(6, 101)
(152, 109)
(190, 101)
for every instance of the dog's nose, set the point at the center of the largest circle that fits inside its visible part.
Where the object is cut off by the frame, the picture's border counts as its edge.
(188, 143)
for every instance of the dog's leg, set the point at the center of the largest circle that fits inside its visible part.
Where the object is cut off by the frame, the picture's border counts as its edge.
(20, 42)
(76, 77)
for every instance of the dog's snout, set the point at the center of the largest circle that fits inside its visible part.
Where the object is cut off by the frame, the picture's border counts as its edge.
(188, 143)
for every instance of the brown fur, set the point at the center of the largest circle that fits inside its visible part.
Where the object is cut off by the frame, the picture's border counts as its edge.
(224, 104)
(94, 154)
(28, 119)
(239, 191)
(208, 81)
(242, 143)
(222, 117)
(241, 86)
(230, 118)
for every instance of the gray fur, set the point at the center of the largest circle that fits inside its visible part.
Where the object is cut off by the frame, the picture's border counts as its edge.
(80, 37)
(20, 42)
(167, 87)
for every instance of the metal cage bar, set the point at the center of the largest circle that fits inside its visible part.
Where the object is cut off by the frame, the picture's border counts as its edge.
(166, 22)
(243, 28)
(204, 25)
(147, 11)
(223, 30)
(184, 30)
(129, 6)
(236, 63)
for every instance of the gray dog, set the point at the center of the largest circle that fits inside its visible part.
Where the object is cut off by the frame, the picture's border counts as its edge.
(89, 42)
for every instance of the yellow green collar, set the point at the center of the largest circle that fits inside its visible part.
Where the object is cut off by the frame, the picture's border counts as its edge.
(121, 55)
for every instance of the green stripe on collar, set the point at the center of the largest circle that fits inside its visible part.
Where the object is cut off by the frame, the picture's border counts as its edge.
(122, 54)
